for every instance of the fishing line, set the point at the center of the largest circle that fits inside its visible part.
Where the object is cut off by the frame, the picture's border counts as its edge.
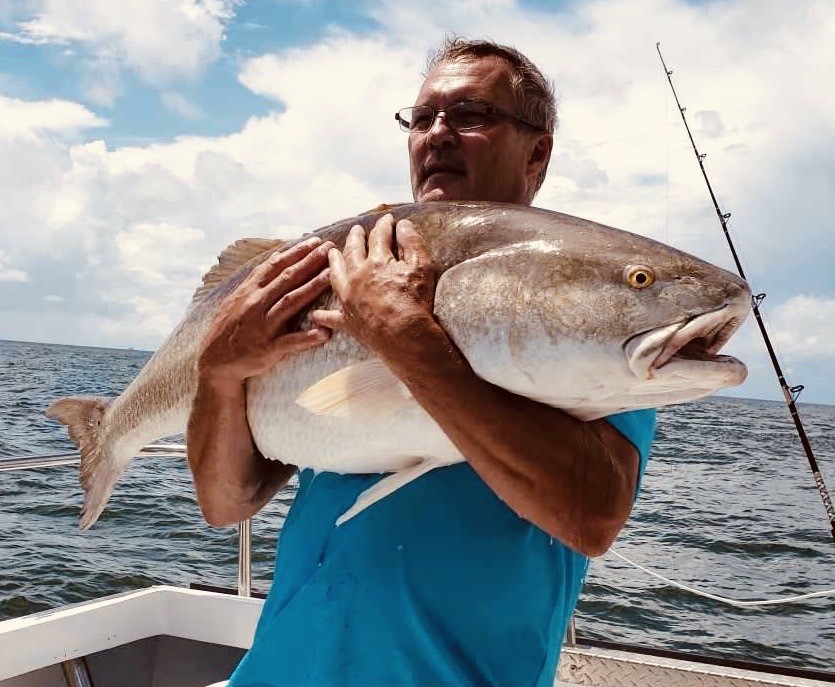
(724, 599)
(673, 482)
(790, 393)
(666, 200)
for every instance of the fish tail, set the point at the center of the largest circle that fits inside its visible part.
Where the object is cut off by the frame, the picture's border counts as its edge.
(83, 416)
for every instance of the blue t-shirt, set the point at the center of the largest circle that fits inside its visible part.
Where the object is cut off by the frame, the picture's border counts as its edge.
(438, 584)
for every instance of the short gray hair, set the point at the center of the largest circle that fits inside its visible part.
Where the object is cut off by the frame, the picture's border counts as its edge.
(532, 92)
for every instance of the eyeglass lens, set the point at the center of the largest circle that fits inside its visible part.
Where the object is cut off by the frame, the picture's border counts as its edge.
(461, 116)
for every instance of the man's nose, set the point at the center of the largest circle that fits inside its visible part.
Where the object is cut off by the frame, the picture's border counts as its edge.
(440, 132)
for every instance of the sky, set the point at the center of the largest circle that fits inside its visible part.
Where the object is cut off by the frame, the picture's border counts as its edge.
(138, 138)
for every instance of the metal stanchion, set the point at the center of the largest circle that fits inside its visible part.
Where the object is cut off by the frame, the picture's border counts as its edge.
(571, 633)
(76, 673)
(245, 558)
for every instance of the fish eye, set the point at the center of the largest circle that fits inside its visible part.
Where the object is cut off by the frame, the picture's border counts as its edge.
(639, 276)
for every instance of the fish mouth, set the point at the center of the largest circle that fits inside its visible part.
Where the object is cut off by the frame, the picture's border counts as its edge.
(689, 348)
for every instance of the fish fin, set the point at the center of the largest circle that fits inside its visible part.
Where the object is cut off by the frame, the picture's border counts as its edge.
(386, 486)
(98, 472)
(366, 390)
(231, 260)
(381, 207)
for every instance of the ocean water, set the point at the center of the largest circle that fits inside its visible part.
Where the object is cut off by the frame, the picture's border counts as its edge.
(728, 506)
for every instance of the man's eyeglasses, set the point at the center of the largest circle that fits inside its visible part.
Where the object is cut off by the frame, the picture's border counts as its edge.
(464, 116)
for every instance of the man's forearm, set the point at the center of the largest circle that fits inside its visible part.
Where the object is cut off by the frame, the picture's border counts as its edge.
(573, 479)
(232, 479)
(249, 336)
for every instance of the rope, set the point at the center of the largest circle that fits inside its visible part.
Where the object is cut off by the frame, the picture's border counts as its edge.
(722, 599)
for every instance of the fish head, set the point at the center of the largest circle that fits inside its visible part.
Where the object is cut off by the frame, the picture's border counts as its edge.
(596, 320)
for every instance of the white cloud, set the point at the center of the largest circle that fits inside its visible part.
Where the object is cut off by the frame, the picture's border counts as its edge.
(24, 39)
(27, 119)
(179, 104)
(709, 124)
(156, 254)
(159, 40)
(138, 225)
(145, 321)
(804, 328)
(53, 298)
(101, 79)
(340, 97)
(8, 272)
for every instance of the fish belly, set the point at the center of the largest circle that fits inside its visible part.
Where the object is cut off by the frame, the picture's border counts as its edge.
(285, 431)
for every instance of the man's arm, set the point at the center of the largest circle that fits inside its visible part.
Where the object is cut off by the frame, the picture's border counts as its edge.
(575, 480)
(247, 337)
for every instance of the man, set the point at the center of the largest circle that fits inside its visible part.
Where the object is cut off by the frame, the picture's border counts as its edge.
(468, 575)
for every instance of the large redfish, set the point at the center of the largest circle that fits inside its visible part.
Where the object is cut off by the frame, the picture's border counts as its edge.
(562, 310)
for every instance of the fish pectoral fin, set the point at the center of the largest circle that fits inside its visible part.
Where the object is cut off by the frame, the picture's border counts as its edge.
(364, 391)
(232, 259)
(386, 486)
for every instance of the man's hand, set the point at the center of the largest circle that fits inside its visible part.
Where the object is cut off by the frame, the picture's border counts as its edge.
(248, 334)
(386, 288)
(247, 337)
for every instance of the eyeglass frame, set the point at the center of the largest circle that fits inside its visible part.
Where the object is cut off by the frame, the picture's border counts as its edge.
(490, 109)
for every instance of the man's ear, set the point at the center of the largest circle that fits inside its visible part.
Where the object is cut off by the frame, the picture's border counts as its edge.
(540, 153)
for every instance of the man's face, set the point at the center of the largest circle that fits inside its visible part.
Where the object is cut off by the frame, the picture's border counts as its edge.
(498, 162)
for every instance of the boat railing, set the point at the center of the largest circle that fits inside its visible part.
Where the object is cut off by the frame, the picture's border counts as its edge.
(155, 450)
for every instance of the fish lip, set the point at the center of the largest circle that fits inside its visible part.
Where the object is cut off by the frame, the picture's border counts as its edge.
(649, 351)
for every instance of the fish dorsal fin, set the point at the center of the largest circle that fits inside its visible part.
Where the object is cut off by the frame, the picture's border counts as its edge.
(231, 259)
(364, 391)
(381, 207)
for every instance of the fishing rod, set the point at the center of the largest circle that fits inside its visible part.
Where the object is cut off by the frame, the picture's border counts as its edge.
(790, 393)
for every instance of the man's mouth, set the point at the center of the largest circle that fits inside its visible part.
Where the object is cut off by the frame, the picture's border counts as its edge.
(442, 168)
